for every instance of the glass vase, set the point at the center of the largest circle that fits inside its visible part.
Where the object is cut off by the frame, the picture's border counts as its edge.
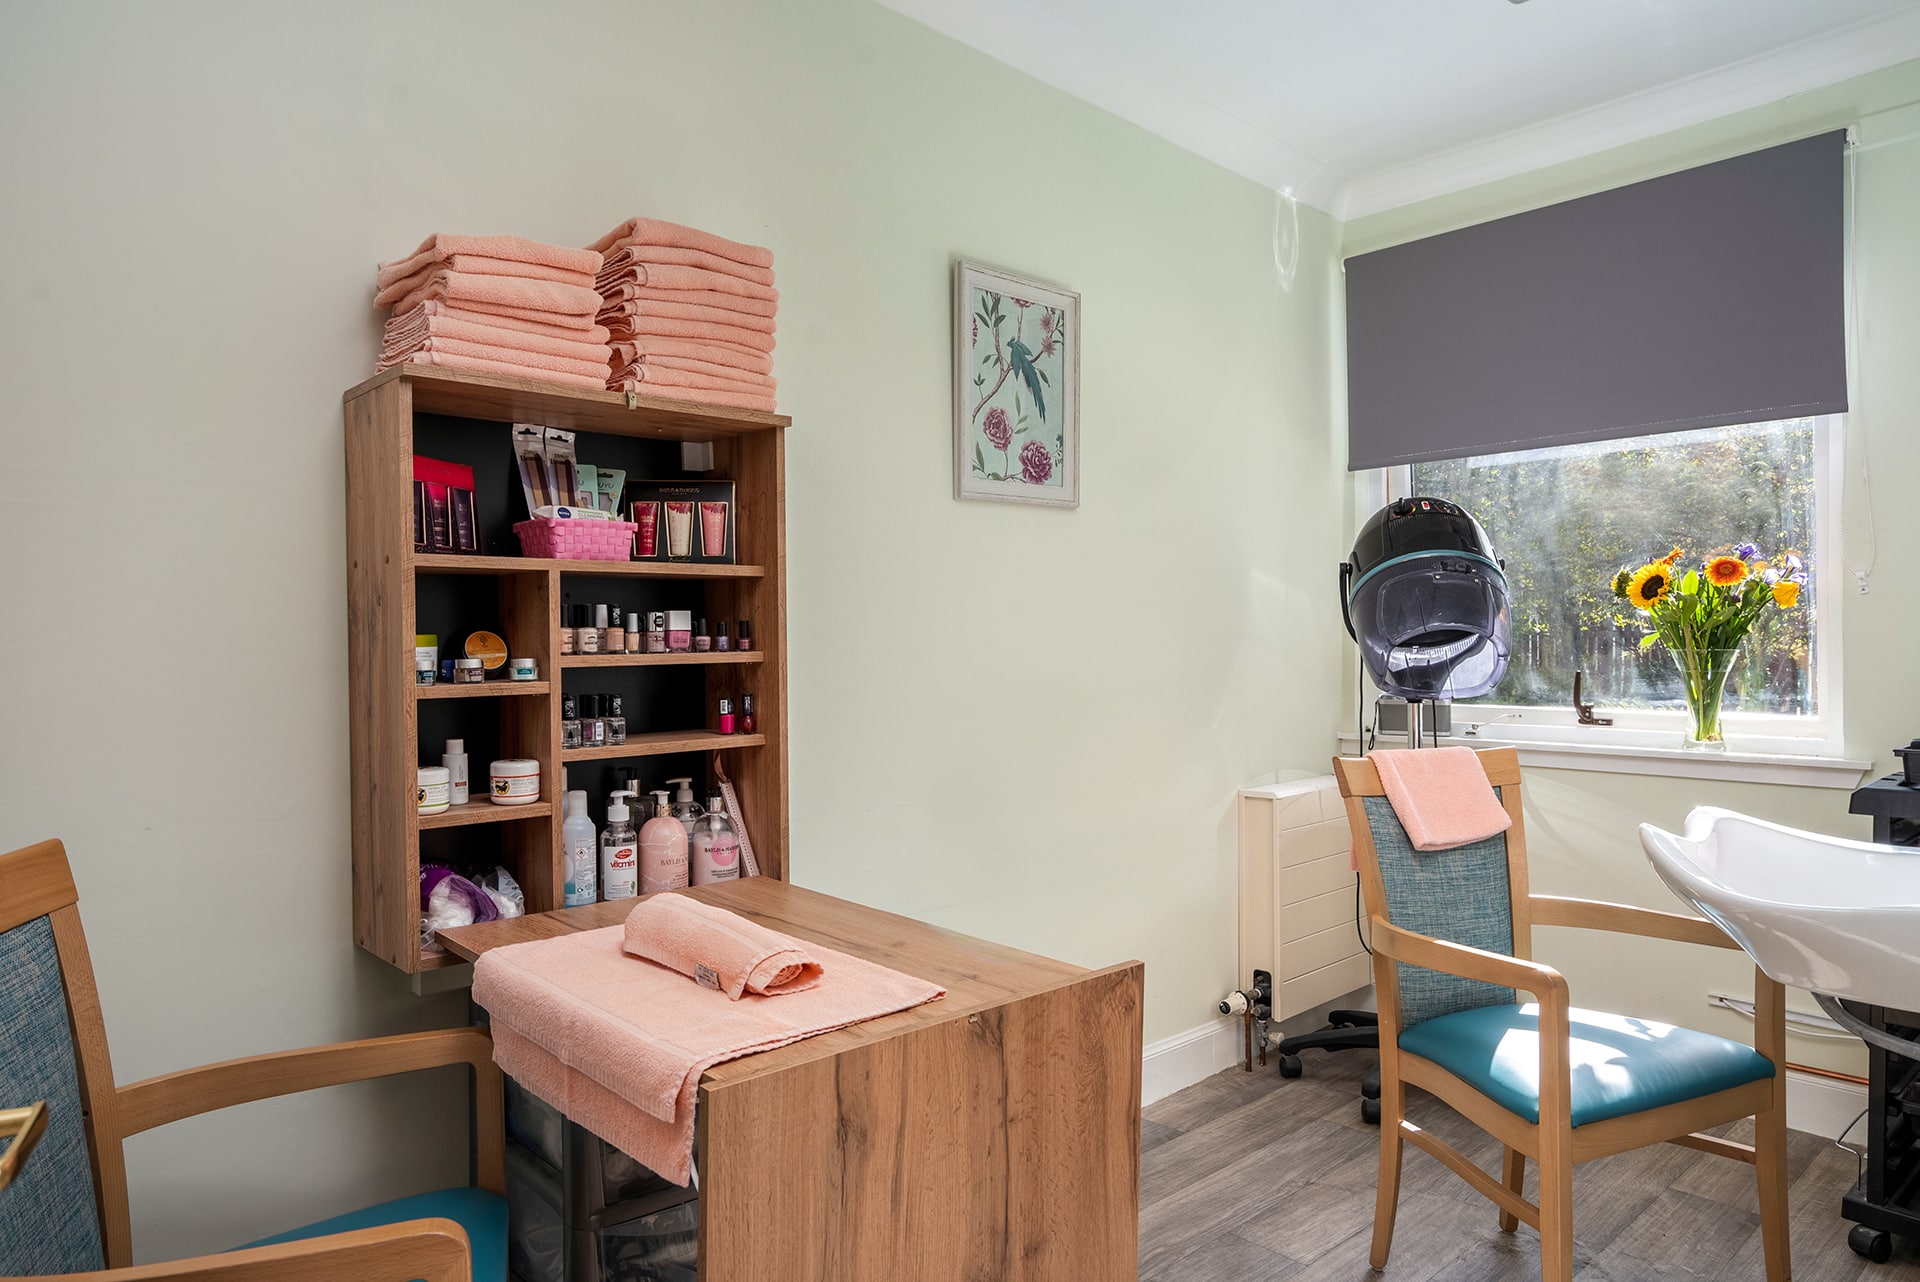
(1703, 680)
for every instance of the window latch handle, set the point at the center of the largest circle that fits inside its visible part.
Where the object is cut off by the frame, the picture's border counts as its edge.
(1584, 711)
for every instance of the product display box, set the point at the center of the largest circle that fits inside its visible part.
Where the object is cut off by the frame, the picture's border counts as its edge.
(682, 521)
(444, 519)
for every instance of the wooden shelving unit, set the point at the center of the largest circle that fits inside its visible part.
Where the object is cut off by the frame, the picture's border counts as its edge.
(394, 593)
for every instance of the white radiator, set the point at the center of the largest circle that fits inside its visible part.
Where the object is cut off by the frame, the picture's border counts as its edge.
(1296, 895)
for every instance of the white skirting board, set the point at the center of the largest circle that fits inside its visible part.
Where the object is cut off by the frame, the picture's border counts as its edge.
(1817, 1105)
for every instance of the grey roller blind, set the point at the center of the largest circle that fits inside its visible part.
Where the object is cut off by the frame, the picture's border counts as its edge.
(1712, 296)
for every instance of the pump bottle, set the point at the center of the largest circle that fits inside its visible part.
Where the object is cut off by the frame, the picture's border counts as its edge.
(619, 866)
(578, 839)
(663, 849)
(716, 847)
(685, 808)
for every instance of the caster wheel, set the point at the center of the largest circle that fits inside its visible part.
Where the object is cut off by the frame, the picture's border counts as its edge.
(1290, 1066)
(1870, 1242)
(1370, 1111)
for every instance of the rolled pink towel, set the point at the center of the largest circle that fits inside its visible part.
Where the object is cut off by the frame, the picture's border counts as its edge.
(504, 291)
(718, 949)
(631, 254)
(712, 351)
(699, 395)
(613, 313)
(671, 276)
(624, 323)
(512, 369)
(589, 368)
(621, 290)
(473, 265)
(409, 329)
(654, 231)
(1441, 796)
(435, 249)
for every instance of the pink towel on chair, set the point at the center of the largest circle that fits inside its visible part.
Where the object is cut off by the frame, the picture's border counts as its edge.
(435, 249)
(631, 254)
(634, 1037)
(1441, 796)
(718, 949)
(653, 231)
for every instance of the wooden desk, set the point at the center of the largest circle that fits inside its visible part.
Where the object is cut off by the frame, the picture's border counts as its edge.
(994, 1134)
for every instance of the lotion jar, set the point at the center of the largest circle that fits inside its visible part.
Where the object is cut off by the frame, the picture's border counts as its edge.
(515, 780)
(433, 792)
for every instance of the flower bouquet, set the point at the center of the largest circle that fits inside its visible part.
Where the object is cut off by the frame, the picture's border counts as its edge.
(1703, 616)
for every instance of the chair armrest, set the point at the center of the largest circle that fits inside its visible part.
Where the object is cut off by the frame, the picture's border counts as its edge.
(1625, 919)
(192, 1091)
(432, 1250)
(1544, 982)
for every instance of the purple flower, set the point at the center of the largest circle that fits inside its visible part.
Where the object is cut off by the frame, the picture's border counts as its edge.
(1747, 552)
(998, 430)
(1023, 303)
(1046, 346)
(1046, 321)
(1036, 465)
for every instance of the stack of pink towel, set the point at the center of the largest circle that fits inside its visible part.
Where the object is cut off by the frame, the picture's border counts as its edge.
(691, 314)
(499, 304)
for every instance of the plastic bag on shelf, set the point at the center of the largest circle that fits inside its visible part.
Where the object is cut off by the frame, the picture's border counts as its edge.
(505, 892)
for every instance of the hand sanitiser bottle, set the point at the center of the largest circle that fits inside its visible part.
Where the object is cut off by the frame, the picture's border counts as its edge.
(619, 865)
(578, 839)
(663, 849)
(716, 848)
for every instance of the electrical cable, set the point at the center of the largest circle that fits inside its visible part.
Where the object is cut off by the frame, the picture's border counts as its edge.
(1859, 1154)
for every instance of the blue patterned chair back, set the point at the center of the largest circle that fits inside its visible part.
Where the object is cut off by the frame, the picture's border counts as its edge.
(1460, 895)
(49, 1220)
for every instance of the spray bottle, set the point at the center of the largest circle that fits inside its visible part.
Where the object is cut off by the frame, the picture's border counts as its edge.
(663, 849)
(619, 865)
(716, 849)
(578, 839)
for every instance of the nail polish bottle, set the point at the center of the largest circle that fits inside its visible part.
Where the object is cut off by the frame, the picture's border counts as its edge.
(746, 714)
(657, 632)
(566, 629)
(586, 637)
(679, 631)
(569, 721)
(720, 639)
(593, 725)
(726, 716)
(745, 641)
(616, 631)
(616, 719)
(701, 641)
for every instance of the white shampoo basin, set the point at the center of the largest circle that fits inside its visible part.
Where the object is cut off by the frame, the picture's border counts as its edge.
(1821, 913)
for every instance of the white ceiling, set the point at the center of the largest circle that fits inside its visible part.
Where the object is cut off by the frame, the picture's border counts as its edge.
(1355, 106)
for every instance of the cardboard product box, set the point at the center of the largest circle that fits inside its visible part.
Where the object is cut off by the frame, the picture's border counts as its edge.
(683, 521)
(443, 510)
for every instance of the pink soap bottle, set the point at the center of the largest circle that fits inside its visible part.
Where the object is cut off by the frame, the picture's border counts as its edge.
(663, 849)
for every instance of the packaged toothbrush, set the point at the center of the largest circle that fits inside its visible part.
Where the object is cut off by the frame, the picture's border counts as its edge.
(563, 473)
(612, 483)
(530, 453)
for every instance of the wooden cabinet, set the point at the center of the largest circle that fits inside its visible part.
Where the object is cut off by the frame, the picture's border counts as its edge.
(394, 593)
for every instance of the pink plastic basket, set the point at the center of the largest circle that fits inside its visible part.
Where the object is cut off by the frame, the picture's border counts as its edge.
(575, 539)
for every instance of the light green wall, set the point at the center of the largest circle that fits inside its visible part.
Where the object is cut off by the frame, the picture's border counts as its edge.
(1581, 826)
(1023, 723)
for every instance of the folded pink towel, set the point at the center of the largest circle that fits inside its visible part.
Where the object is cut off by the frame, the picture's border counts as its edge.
(661, 376)
(619, 291)
(652, 231)
(718, 949)
(473, 264)
(409, 328)
(626, 325)
(712, 352)
(596, 370)
(643, 1035)
(512, 369)
(631, 254)
(503, 291)
(614, 314)
(1441, 796)
(625, 354)
(621, 382)
(499, 314)
(671, 276)
(435, 249)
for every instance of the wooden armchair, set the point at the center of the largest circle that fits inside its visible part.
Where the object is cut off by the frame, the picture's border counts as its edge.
(65, 1209)
(1451, 934)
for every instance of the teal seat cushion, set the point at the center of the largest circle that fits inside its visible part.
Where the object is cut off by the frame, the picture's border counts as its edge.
(482, 1214)
(1620, 1065)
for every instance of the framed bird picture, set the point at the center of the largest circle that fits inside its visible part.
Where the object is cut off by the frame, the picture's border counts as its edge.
(1016, 389)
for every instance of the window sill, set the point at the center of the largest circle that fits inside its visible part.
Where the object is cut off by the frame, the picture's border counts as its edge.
(1789, 769)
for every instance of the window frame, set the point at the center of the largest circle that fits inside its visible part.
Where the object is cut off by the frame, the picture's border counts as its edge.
(1818, 735)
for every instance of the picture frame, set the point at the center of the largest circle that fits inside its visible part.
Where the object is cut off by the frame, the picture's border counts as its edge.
(1016, 388)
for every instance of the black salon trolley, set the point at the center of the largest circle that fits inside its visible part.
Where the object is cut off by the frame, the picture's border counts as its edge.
(1886, 1201)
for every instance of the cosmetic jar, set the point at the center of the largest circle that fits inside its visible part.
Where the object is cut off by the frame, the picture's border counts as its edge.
(516, 781)
(523, 669)
(488, 648)
(423, 671)
(426, 645)
(434, 791)
(469, 671)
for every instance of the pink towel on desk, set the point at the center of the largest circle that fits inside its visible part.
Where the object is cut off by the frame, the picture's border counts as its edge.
(503, 291)
(718, 949)
(623, 323)
(409, 329)
(435, 249)
(634, 1037)
(1441, 796)
(708, 352)
(631, 254)
(654, 231)
(673, 276)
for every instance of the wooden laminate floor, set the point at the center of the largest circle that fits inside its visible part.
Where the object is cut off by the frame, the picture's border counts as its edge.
(1251, 1178)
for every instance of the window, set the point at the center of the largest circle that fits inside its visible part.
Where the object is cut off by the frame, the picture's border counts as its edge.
(1566, 519)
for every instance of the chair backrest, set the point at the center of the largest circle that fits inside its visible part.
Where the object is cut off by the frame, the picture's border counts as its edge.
(67, 1210)
(1474, 894)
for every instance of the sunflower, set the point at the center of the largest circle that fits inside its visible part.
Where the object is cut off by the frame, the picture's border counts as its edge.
(1649, 583)
(1786, 594)
(1725, 571)
(1620, 582)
